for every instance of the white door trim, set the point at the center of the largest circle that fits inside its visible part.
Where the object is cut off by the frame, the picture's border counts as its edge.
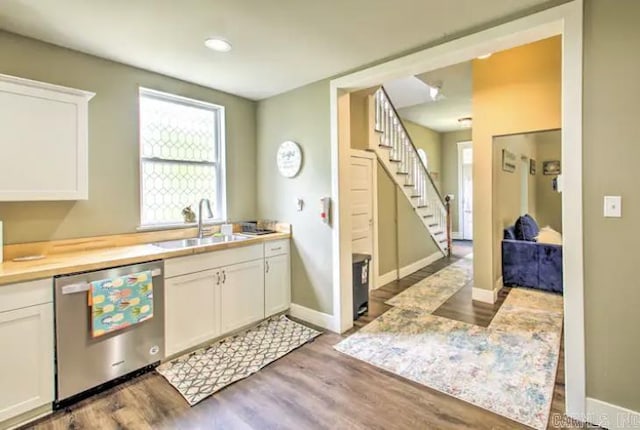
(566, 20)
(461, 146)
(375, 264)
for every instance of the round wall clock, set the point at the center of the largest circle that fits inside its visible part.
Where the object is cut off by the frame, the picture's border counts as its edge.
(289, 159)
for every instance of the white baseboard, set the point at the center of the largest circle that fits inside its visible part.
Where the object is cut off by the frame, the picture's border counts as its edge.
(386, 278)
(317, 318)
(456, 235)
(611, 416)
(487, 296)
(414, 267)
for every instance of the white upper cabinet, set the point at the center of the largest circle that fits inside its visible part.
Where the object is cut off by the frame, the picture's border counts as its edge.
(43, 141)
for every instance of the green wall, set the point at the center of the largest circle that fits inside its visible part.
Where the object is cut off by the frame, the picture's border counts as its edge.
(402, 237)
(387, 223)
(610, 156)
(113, 206)
(548, 202)
(300, 115)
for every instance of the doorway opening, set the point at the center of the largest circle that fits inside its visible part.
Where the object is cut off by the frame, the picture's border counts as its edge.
(564, 20)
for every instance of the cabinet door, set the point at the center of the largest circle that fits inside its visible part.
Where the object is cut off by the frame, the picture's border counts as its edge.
(192, 315)
(44, 143)
(26, 359)
(242, 294)
(277, 284)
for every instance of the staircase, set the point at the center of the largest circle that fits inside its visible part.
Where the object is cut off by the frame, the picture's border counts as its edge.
(389, 139)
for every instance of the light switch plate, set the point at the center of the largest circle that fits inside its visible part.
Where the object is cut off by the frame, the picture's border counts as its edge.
(613, 206)
(299, 204)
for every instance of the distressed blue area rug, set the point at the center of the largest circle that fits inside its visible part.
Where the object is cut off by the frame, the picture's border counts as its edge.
(432, 291)
(508, 368)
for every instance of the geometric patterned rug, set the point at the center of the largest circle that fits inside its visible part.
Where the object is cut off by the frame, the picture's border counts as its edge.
(201, 373)
(428, 294)
(508, 368)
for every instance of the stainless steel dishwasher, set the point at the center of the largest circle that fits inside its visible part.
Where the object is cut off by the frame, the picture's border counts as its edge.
(84, 362)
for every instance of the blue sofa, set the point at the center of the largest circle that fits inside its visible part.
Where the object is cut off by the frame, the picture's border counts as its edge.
(527, 263)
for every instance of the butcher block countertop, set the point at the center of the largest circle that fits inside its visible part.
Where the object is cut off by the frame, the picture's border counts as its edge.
(80, 255)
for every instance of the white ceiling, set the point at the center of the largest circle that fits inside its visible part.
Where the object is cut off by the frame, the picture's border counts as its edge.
(443, 113)
(278, 44)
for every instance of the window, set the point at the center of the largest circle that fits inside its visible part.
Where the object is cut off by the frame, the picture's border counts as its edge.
(181, 157)
(423, 157)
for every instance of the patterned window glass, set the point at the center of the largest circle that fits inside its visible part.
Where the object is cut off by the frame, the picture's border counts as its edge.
(180, 156)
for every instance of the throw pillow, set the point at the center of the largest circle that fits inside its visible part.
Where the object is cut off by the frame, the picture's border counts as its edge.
(526, 228)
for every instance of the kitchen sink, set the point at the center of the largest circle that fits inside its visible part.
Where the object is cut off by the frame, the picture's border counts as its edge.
(188, 243)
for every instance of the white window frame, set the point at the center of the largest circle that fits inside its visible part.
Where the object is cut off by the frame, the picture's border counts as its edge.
(221, 191)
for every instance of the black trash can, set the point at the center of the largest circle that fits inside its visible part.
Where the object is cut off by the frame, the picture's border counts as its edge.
(360, 264)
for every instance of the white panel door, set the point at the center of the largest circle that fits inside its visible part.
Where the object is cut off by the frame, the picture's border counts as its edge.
(26, 359)
(277, 284)
(192, 310)
(242, 298)
(361, 199)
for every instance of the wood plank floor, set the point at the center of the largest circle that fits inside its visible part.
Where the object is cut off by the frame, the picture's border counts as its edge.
(314, 387)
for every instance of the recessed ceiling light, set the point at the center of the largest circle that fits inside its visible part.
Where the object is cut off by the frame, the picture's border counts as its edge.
(484, 56)
(218, 44)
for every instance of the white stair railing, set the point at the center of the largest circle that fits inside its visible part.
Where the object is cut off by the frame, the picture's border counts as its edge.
(409, 171)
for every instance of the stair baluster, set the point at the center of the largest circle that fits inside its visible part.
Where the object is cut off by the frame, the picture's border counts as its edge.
(409, 171)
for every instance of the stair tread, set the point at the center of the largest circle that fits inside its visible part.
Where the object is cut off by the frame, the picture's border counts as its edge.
(438, 233)
(422, 206)
(433, 225)
(393, 160)
(401, 173)
(382, 145)
(427, 216)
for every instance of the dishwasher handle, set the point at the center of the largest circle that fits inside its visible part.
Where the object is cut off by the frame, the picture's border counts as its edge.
(83, 287)
(80, 287)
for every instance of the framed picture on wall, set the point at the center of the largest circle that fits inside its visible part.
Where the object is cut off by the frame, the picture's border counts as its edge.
(532, 166)
(508, 161)
(551, 167)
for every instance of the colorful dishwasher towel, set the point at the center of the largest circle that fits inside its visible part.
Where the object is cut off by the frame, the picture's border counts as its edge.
(120, 302)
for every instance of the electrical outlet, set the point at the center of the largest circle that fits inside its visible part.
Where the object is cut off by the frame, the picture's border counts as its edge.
(613, 206)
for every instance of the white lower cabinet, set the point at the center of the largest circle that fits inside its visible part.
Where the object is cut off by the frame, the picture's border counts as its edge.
(26, 352)
(190, 303)
(242, 297)
(277, 284)
(211, 294)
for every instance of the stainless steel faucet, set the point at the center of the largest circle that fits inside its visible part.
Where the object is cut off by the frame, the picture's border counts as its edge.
(209, 211)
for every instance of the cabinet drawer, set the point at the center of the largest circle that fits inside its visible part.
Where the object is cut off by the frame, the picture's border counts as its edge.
(31, 293)
(276, 247)
(211, 260)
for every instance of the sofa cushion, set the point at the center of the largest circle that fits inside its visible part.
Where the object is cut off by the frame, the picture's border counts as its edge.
(550, 268)
(520, 263)
(526, 228)
(510, 233)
